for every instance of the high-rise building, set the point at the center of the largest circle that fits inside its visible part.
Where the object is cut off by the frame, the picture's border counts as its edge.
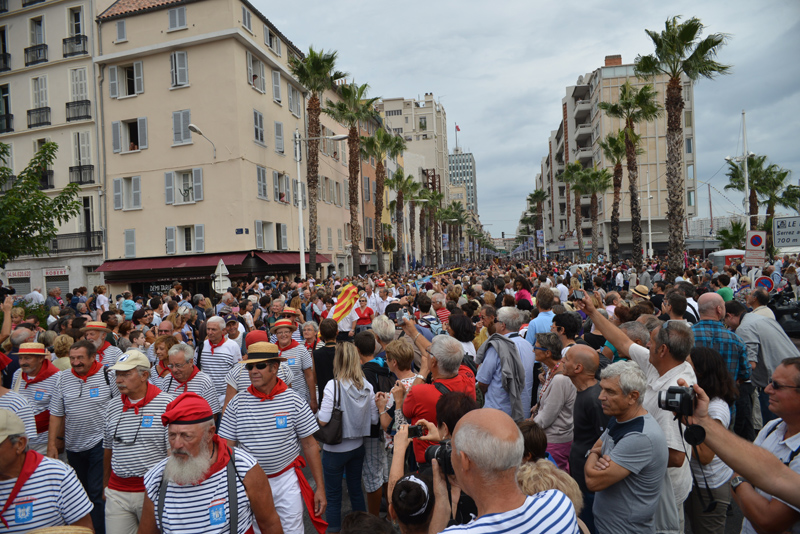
(463, 173)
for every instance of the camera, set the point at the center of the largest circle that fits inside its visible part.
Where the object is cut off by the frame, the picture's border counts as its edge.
(578, 294)
(442, 453)
(392, 315)
(401, 315)
(677, 399)
(415, 431)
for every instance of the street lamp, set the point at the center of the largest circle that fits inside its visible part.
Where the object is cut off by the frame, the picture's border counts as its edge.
(195, 129)
(301, 240)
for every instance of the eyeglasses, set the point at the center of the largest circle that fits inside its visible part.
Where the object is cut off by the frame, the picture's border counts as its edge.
(778, 387)
(541, 349)
(177, 365)
(259, 365)
(118, 439)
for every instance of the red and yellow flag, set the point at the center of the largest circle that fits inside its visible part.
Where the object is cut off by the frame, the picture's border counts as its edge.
(347, 301)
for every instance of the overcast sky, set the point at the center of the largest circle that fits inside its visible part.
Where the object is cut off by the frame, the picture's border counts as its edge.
(501, 68)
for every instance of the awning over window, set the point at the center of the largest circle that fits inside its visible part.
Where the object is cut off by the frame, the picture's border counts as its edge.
(288, 258)
(172, 262)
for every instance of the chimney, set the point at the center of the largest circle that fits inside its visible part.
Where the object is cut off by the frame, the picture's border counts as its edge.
(613, 61)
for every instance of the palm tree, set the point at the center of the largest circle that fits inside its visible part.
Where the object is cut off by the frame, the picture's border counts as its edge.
(755, 171)
(614, 150)
(413, 197)
(538, 199)
(734, 236)
(405, 187)
(316, 72)
(445, 217)
(596, 182)
(679, 50)
(381, 145)
(434, 228)
(633, 107)
(458, 216)
(350, 111)
(573, 175)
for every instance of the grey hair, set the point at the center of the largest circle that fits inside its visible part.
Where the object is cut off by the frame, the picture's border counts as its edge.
(550, 341)
(492, 455)
(449, 352)
(437, 297)
(187, 350)
(312, 324)
(20, 336)
(14, 438)
(383, 328)
(636, 332)
(217, 320)
(678, 337)
(652, 322)
(143, 371)
(631, 377)
(510, 317)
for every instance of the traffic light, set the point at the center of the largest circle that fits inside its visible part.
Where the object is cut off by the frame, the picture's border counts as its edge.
(504, 235)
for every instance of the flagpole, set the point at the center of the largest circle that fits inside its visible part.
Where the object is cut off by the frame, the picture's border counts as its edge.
(456, 135)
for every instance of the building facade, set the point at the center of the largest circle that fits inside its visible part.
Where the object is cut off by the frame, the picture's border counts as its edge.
(463, 173)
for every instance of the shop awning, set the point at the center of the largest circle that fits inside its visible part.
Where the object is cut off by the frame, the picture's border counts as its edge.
(173, 262)
(288, 258)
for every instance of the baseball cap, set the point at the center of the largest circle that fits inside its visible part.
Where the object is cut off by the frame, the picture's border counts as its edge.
(129, 360)
(231, 318)
(10, 424)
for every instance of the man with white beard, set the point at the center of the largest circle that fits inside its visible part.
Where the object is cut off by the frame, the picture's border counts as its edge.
(107, 354)
(204, 485)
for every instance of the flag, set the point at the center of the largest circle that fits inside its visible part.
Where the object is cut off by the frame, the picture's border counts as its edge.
(347, 301)
(458, 129)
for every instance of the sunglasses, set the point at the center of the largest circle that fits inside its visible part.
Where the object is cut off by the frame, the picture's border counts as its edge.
(778, 387)
(259, 365)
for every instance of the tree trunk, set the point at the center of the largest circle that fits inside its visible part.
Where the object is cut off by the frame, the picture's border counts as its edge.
(411, 230)
(675, 190)
(353, 144)
(380, 181)
(540, 226)
(579, 227)
(614, 240)
(753, 201)
(636, 212)
(437, 237)
(567, 188)
(594, 227)
(312, 177)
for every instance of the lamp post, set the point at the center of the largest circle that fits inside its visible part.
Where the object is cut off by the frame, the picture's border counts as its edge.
(195, 129)
(301, 240)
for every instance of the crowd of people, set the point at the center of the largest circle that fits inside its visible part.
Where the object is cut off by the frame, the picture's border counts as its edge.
(503, 397)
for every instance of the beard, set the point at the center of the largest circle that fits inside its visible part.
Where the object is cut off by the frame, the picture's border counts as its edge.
(98, 342)
(184, 469)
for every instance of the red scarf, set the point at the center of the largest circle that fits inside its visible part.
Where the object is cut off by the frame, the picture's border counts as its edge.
(47, 370)
(292, 345)
(211, 344)
(310, 346)
(92, 370)
(223, 457)
(32, 461)
(306, 491)
(101, 351)
(4, 361)
(184, 385)
(280, 387)
(161, 368)
(151, 393)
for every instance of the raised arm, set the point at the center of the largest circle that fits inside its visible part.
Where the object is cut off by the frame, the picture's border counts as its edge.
(613, 335)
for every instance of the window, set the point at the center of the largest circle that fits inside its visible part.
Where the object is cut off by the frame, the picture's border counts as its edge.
(397, 131)
(687, 119)
(331, 198)
(82, 148)
(690, 198)
(338, 194)
(261, 180)
(128, 193)
(272, 41)
(330, 238)
(339, 235)
(75, 21)
(255, 73)
(322, 189)
(179, 69)
(394, 113)
(180, 127)
(276, 86)
(295, 103)
(126, 80)
(265, 235)
(39, 92)
(122, 34)
(280, 185)
(37, 31)
(78, 86)
(280, 236)
(366, 188)
(177, 18)
(279, 137)
(690, 172)
(247, 19)
(130, 243)
(130, 135)
(183, 187)
(688, 145)
(423, 123)
(183, 239)
(258, 123)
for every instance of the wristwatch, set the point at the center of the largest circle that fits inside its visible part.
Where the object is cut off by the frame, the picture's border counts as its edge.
(735, 481)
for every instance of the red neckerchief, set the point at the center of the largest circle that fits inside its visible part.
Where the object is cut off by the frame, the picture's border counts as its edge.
(310, 346)
(223, 457)
(32, 461)
(211, 344)
(280, 387)
(4, 361)
(292, 345)
(185, 385)
(92, 370)
(151, 393)
(47, 370)
(101, 351)
(161, 368)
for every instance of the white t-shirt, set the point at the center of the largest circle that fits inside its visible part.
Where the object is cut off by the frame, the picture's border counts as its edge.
(716, 472)
(102, 303)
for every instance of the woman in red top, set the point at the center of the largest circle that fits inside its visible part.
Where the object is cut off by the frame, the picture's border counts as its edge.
(364, 313)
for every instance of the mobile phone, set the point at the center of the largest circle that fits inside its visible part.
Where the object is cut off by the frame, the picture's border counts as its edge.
(415, 431)
(578, 294)
(400, 315)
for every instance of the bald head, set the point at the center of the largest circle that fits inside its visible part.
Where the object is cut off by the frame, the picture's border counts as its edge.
(165, 328)
(585, 356)
(711, 306)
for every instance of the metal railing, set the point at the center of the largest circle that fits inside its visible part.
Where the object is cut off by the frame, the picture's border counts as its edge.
(6, 123)
(6, 186)
(81, 174)
(46, 181)
(79, 110)
(75, 45)
(35, 54)
(38, 117)
(5, 61)
(80, 242)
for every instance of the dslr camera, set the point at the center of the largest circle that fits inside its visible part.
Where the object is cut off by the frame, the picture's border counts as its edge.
(442, 453)
(677, 399)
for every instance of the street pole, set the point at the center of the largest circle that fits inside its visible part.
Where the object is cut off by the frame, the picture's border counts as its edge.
(746, 176)
(299, 199)
(649, 221)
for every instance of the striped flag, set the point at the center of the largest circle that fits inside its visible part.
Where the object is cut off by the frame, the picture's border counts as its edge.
(346, 302)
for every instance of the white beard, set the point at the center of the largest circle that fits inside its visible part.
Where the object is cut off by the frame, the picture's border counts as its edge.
(98, 342)
(189, 471)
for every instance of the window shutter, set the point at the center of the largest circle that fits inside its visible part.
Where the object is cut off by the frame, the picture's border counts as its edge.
(276, 85)
(142, 132)
(136, 192)
(169, 187)
(130, 243)
(183, 68)
(294, 192)
(284, 244)
(138, 77)
(170, 238)
(289, 90)
(199, 238)
(259, 235)
(173, 19)
(279, 137)
(339, 235)
(277, 45)
(330, 239)
(112, 82)
(262, 83)
(249, 67)
(182, 17)
(276, 184)
(177, 128)
(303, 190)
(286, 188)
(117, 193)
(122, 35)
(197, 184)
(116, 132)
(186, 119)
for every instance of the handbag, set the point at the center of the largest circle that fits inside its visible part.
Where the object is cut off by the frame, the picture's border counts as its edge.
(331, 434)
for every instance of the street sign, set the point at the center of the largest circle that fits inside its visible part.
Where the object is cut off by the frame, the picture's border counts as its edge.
(786, 231)
(755, 252)
(221, 280)
(765, 282)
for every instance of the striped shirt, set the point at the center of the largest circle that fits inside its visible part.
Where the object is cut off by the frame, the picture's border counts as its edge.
(82, 405)
(200, 384)
(204, 507)
(298, 360)
(296, 335)
(52, 496)
(38, 397)
(239, 379)
(548, 512)
(270, 430)
(19, 405)
(218, 364)
(138, 442)
(109, 356)
(155, 379)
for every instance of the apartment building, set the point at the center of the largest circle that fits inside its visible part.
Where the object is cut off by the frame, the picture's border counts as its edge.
(464, 173)
(47, 95)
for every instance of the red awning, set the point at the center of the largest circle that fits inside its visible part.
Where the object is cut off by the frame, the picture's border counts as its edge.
(288, 258)
(172, 262)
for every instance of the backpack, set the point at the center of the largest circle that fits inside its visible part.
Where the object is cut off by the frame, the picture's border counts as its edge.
(469, 363)
(432, 323)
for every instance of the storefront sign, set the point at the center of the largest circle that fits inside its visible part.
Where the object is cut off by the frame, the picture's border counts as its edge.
(58, 271)
(18, 274)
(365, 259)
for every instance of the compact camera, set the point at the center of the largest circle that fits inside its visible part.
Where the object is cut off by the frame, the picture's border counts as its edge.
(677, 399)
(442, 453)
(415, 431)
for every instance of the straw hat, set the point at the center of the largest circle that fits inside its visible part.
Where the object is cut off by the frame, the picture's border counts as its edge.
(282, 323)
(95, 326)
(263, 352)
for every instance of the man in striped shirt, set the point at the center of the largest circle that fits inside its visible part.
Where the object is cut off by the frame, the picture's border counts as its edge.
(36, 492)
(272, 422)
(35, 380)
(96, 331)
(187, 377)
(76, 413)
(134, 440)
(298, 359)
(218, 356)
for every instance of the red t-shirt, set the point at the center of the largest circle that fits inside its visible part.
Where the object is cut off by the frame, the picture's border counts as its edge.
(443, 315)
(420, 402)
(364, 317)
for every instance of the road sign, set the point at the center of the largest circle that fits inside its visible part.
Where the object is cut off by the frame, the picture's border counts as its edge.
(755, 253)
(765, 282)
(786, 231)
(221, 280)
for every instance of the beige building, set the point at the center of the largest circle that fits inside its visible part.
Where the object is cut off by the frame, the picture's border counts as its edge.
(47, 95)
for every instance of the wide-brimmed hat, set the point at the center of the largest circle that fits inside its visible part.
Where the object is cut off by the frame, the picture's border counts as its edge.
(641, 291)
(130, 360)
(288, 310)
(95, 326)
(36, 349)
(282, 323)
(263, 352)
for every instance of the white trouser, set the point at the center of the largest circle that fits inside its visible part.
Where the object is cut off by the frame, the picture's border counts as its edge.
(123, 511)
(288, 501)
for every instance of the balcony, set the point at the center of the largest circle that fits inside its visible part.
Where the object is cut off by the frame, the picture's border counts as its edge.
(76, 45)
(80, 242)
(38, 117)
(583, 131)
(35, 54)
(6, 123)
(81, 174)
(26, 3)
(5, 62)
(46, 181)
(582, 108)
(3, 6)
(6, 186)
(79, 110)
(583, 152)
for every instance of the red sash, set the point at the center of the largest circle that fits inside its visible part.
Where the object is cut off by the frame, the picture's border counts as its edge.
(129, 484)
(152, 392)
(102, 350)
(32, 461)
(92, 370)
(306, 491)
(185, 385)
(47, 370)
(280, 387)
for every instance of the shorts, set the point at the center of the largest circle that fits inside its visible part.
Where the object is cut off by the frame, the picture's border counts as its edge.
(374, 471)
